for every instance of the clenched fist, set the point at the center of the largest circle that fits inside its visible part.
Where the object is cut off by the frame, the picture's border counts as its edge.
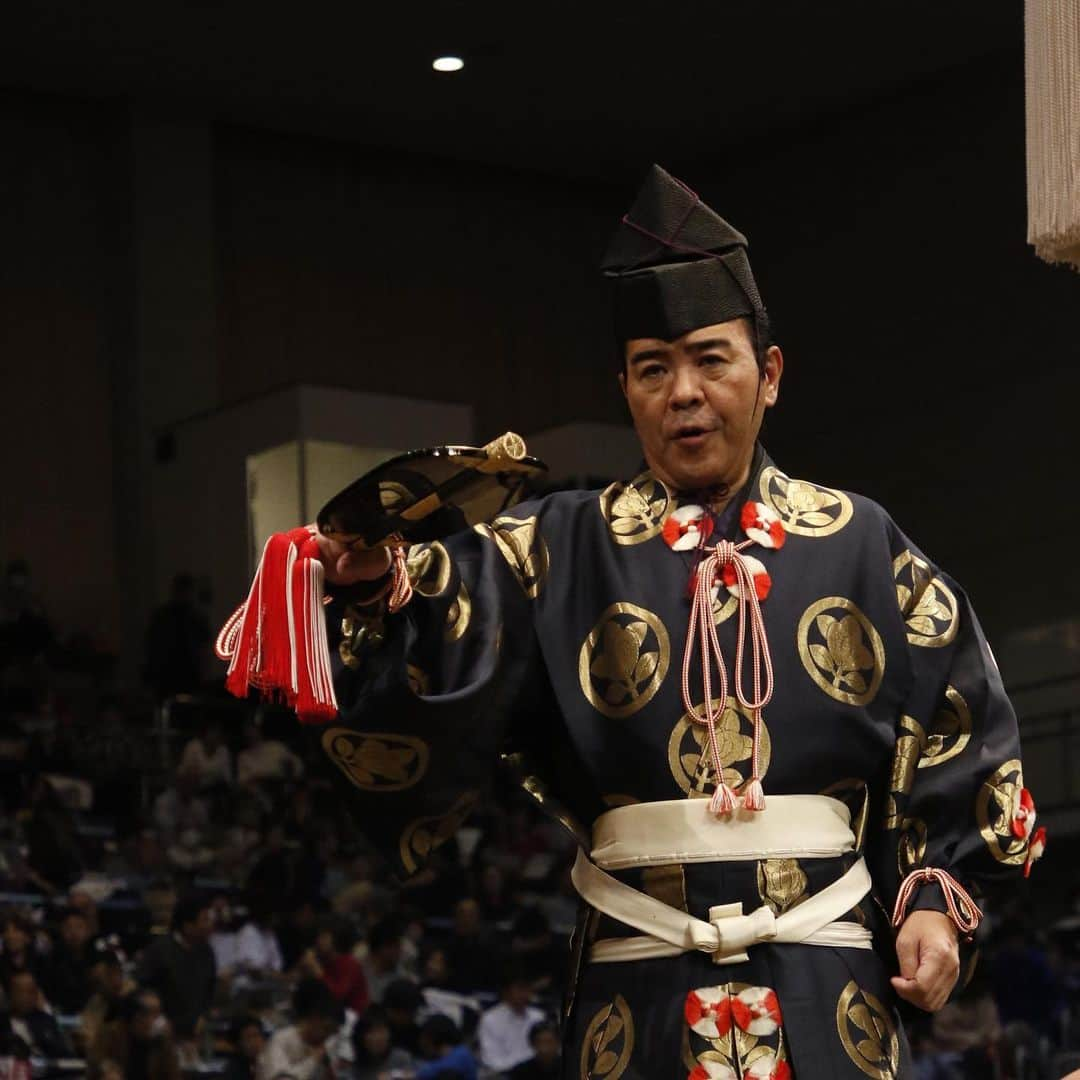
(929, 959)
(348, 566)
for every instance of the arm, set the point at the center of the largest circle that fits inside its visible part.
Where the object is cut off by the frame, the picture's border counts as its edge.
(956, 781)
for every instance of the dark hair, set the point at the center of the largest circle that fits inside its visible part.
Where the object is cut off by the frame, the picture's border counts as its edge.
(386, 931)
(241, 1023)
(188, 909)
(540, 1027)
(441, 1030)
(372, 1018)
(312, 997)
(11, 917)
(403, 994)
(513, 974)
(758, 328)
(73, 912)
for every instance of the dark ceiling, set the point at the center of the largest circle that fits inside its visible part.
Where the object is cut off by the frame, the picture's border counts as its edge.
(571, 89)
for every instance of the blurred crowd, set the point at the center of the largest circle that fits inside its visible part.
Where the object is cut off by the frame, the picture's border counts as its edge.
(181, 894)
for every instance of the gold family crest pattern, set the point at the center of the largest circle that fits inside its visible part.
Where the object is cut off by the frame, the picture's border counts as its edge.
(524, 548)
(425, 834)
(377, 761)
(929, 607)
(841, 650)
(995, 805)
(608, 1042)
(689, 757)
(781, 884)
(868, 1032)
(624, 660)
(806, 509)
(428, 567)
(635, 512)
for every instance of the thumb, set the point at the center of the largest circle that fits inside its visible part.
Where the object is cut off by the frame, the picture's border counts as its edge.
(907, 952)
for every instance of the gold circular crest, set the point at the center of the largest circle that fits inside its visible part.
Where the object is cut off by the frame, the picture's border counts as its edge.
(841, 650)
(523, 548)
(950, 731)
(458, 615)
(994, 807)
(635, 512)
(393, 496)
(688, 750)
(422, 836)
(911, 845)
(608, 1042)
(428, 566)
(868, 1033)
(806, 509)
(377, 761)
(624, 660)
(928, 605)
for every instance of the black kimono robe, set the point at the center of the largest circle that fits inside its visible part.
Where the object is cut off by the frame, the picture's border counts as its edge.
(555, 634)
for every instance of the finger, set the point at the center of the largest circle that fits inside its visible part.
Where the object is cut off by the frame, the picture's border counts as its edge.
(909, 990)
(907, 953)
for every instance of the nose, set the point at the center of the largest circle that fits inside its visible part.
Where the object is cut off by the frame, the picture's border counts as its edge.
(686, 392)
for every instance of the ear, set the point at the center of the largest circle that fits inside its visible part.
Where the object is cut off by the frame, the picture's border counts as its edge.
(774, 369)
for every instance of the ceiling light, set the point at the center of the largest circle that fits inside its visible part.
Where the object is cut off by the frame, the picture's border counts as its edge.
(448, 63)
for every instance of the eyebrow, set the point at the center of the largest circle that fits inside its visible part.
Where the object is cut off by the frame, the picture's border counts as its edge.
(710, 343)
(649, 354)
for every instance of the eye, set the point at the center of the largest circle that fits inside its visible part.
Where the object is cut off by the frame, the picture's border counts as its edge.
(651, 371)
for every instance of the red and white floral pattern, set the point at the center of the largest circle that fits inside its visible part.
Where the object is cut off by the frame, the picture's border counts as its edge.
(756, 1010)
(762, 580)
(1035, 849)
(762, 524)
(768, 1067)
(708, 1011)
(707, 1069)
(687, 527)
(1023, 816)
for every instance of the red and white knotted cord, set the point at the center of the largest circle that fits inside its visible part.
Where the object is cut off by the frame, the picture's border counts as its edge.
(963, 911)
(702, 627)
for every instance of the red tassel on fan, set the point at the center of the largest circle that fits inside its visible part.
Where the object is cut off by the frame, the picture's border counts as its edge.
(281, 647)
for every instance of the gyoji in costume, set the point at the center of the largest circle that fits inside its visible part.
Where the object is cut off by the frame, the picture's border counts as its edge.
(770, 720)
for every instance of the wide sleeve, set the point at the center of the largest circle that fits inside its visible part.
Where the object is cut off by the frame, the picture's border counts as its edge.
(425, 695)
(957, 800)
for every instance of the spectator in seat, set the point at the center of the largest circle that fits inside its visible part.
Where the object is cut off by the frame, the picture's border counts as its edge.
(401, 1003)
(207, 758)
(181, 967)
(446, 1057)
(17, 935)
(176, 641)
(54, 858)
(546, 1046)
(66, 975)
(332, 961)
(258, 951)
(249, 1041)
(265, 759)
(374, 1055)
(26, 1022)
(382, 964)
(299, 1050)
(180, 808)
(139, 1040)
(504, 1028)
(110, 986)
(472, 951)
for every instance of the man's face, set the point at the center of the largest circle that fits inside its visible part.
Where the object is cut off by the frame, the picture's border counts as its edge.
(251, 1041)
(201, 927)
(74, 931)
(697, 403)
(546, 1046)
(15, 938)
(24, 994)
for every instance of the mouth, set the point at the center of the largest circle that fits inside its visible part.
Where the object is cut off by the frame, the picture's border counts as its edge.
(691, 436)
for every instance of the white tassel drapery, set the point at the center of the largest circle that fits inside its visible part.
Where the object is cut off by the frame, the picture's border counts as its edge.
(1052, 69)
